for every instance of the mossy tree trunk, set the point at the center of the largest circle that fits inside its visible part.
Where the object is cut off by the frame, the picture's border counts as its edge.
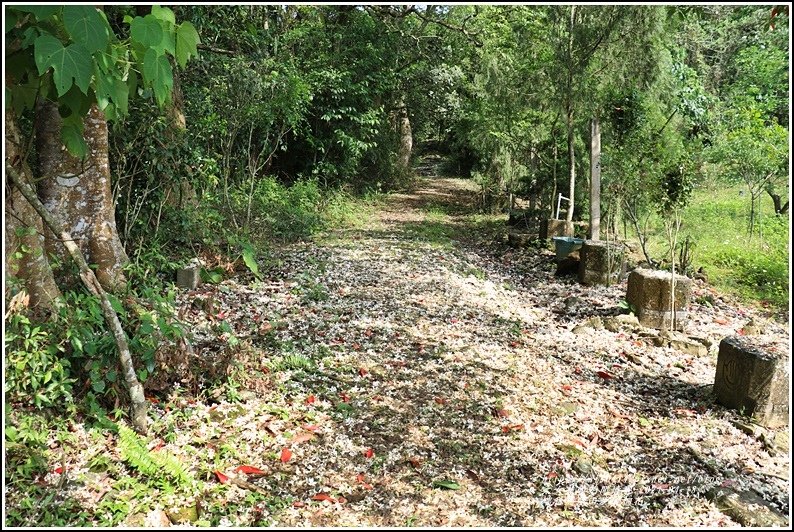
(25, 256)
(78, 194)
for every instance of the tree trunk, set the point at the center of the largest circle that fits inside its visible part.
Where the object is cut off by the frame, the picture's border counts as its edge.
(595, 180)
(779, 209)
(78, 194)
(25, 257)
(569, 115)
(403, 125)
(139, 409)
(571, 163)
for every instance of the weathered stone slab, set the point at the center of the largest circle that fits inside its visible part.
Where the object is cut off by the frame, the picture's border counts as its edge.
(746, 508)
(600, 262)
(188, 277)
(649, 292)
(752, 380)
(550, 228)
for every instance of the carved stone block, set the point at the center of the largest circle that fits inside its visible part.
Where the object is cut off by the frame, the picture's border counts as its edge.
(753, 381)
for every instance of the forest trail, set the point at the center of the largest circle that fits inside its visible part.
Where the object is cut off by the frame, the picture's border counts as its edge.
(414, 371)
(426, 375)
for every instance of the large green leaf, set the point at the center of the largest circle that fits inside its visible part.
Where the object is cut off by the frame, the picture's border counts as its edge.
(250, 259)
(158, 75)
(446, 484)
(71, 65)
(164, 14)
(147, 31)
(85, 26)
(72, 138)
(103, 86)
(187, 39)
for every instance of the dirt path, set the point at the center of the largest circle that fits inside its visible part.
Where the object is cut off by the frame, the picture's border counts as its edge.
(419, 376)
(438, 361)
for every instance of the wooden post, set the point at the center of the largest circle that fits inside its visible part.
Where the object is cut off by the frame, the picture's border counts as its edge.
(595, 180)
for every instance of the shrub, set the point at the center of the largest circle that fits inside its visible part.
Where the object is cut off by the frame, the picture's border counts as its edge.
(35, 371)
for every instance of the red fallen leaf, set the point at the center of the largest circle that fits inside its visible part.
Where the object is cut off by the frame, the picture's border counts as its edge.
(322, 497)
(470, 315)
(300, 438)
(603, 374)
(345, 397)
(577, 370)
(441, 258)
(313, 428)
(58, 470)
(362, 372)
(453, 320)
(508, 428)
(397, 335)
(552, 475)
(369, 453)
(636, 343)
(367, 333)
(621, 335)
(578, 442)
(377, 398)
(249, 470)
(310, 400)
(298, 504)
(741, 332)
(158, 446)
(221, 477)
(361, 480)
(440, 400)
(566, 387)
(286, 454)
(356, 346)
(213, 408)
(340, 500)
(720, 321)
(501, 413)
(617, 366)
(417, 463)
(513, 344)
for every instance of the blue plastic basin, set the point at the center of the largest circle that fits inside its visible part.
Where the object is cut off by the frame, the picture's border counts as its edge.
(565, 245)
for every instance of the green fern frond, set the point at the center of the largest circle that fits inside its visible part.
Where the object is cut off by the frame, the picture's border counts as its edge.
(159, 465)
(291, 362)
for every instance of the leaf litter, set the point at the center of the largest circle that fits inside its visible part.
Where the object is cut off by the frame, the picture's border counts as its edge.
(390, 377)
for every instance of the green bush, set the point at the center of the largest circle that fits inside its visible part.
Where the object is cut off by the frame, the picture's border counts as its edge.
(36, 373)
